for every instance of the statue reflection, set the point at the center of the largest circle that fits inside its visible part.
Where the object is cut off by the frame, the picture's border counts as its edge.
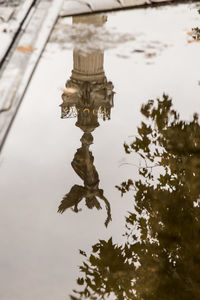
(88, 96)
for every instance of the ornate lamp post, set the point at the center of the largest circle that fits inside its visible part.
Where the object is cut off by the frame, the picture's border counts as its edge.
(88, 96)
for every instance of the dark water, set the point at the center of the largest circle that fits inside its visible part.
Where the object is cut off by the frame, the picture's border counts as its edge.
(100, 181)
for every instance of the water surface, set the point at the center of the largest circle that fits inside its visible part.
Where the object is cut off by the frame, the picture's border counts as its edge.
(68, 150)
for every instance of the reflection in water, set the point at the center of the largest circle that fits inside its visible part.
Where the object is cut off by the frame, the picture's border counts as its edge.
(88, 96)
(160, 258)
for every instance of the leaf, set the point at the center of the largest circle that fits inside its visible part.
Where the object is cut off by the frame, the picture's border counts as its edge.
(95, 248)
(82, 253)
(80, 281)
(25, 49)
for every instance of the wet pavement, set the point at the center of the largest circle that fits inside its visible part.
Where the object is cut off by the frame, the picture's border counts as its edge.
(10, 2)
(12, 16)
(103, 159)
(24, 39)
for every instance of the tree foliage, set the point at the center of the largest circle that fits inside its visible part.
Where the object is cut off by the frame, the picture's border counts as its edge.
(161, 256)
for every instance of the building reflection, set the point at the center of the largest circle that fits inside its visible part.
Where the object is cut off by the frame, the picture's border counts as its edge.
(88, 96)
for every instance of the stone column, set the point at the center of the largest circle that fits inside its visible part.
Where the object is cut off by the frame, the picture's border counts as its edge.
(89, 66)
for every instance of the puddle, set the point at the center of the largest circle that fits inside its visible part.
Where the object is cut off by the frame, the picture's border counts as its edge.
(90, 29)
(97, 33)
(101, 168)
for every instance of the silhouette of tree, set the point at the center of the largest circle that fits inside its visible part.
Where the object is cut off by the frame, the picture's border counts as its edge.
(161, 256)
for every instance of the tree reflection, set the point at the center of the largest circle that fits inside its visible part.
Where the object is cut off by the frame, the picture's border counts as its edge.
(88, 96)
(160, 258)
